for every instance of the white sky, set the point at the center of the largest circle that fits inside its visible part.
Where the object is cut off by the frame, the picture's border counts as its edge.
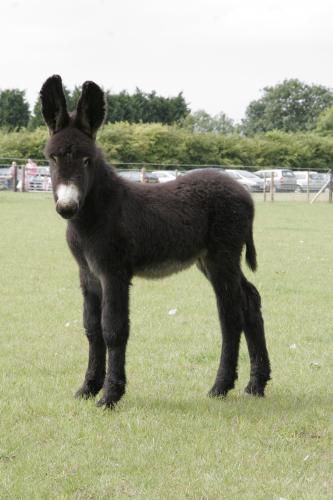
(220, 53)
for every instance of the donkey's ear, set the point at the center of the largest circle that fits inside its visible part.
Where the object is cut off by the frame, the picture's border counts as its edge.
(91, 109)
(54, 107)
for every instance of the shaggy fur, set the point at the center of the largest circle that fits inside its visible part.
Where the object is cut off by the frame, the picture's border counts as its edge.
(118, 229)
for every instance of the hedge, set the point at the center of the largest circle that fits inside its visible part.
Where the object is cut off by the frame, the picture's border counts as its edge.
(156, 143)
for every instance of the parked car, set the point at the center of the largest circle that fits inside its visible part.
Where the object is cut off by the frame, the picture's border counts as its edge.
(284, 179)
(41, 181)
(165, 175)
(250, 181)
(307, 179)
(324, 178)
(203, 169)
(4, 176)
(136, 176)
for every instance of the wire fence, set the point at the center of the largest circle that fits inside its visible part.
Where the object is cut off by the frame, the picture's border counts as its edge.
(266, 183)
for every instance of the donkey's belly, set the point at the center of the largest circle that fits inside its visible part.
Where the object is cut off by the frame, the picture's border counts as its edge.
(166, 268)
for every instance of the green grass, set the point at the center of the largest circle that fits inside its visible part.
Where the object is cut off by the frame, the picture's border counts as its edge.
(166, 439)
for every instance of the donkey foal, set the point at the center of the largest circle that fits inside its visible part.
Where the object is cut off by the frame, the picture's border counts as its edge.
(117, 229)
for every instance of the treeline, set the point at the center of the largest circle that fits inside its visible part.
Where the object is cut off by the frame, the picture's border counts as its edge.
(140, 107)
(175, 145)
(290, 106)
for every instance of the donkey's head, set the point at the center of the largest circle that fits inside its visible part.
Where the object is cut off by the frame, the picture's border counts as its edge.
(71, 148)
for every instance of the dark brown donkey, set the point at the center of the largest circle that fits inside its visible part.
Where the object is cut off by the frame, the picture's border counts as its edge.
(118, 229)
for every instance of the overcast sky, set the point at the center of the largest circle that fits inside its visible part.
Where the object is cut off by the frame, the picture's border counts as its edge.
(220, 53)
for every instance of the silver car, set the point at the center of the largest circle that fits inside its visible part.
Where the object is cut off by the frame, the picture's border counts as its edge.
(284, 179)
(4, 177)
(250, 181)
(137, 176)
(306, 179)
(165, 175)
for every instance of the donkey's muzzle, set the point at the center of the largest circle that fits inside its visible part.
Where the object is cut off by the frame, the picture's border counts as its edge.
(67, 210)
(67, 200)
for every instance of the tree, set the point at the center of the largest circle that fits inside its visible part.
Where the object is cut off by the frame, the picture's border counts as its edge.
(289, 106)
(140, 107)
(120, 108)
(72, 97)
(144, 107)
(14, 109)
(325, 122)
(36, 118)
(167, 110)
(201, 121)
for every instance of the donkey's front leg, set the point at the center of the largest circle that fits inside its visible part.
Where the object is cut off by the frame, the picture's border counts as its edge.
(92, 296)
(115, 327)
(95, 374)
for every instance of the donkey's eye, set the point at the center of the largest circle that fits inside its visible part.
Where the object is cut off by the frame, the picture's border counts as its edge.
(86, 161)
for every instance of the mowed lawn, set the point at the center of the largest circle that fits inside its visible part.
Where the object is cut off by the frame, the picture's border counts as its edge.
(166, 439)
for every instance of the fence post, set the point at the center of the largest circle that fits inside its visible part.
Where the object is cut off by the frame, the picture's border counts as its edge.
(15, 179)
(272, 186)
(265, 185)
(308, 186)
(330, 187)
(23, 179)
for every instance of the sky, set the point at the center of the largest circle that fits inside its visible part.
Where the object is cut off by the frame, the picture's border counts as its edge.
(219, 53)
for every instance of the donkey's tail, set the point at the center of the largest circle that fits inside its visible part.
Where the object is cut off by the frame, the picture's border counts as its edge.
(251, 254)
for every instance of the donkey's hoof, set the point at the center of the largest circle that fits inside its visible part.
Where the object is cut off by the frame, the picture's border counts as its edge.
(254, 389)
(112, 395)
(105, 402)
(218, 392)
(88, 390)
(83, 393)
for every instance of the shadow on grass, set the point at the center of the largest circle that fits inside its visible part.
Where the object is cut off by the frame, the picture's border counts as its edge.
(279, 402)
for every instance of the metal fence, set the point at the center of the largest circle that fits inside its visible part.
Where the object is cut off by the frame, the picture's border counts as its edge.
(274, 184)
(19, 180)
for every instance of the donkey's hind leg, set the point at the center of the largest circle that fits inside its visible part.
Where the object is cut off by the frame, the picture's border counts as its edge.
(95, 374)
(255, 338)
(226, 283)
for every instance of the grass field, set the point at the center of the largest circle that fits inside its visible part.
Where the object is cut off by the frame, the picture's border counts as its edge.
(166, 439)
